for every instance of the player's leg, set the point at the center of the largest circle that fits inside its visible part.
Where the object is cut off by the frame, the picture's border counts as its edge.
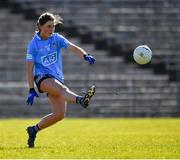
(56, 88)
(58, 105)
(58, 95)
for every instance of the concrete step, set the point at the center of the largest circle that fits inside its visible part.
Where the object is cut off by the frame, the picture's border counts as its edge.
(98, 109)
(124, 87)
(87, 78)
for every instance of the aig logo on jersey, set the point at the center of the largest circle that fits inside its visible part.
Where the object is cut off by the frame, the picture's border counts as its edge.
(49, 59)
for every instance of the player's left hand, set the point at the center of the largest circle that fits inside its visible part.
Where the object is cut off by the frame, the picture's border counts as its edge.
(90, 59)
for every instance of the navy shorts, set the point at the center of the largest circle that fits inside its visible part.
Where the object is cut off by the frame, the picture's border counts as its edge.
(39, 78)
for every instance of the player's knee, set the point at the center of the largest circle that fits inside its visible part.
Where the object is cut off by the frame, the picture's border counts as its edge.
(62, 90)
(59, 91)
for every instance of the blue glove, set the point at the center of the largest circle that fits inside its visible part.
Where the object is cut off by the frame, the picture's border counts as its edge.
(32, 94)
(90, 59)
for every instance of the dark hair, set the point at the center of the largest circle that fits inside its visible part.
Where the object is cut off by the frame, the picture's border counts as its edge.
(45, 17)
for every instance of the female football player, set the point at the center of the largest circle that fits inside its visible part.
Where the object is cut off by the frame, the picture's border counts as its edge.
(44, 67)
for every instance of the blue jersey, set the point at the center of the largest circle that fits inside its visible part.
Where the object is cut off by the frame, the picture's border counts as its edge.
(46, 55)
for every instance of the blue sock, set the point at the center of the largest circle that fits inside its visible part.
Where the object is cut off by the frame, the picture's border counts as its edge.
(79, 99)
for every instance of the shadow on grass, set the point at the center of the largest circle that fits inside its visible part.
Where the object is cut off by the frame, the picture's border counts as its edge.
(25, 147)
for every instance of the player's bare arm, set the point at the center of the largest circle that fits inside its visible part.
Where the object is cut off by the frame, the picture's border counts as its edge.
(30, 76)
(81, 53)
(77, 50)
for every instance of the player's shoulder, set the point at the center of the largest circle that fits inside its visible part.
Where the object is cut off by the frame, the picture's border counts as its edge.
(31, 44)
(57, 35)
(32, 41)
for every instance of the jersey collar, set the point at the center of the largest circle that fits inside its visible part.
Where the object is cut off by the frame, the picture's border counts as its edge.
(38, 37)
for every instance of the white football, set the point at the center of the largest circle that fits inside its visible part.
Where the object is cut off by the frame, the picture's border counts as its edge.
(142, 54)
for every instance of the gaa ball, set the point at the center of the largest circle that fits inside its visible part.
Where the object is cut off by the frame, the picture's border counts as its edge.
(142, 54)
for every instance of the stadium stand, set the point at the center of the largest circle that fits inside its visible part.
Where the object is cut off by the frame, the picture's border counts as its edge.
(108, 29)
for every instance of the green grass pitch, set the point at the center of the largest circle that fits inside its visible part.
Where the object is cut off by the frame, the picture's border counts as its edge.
(94, 138)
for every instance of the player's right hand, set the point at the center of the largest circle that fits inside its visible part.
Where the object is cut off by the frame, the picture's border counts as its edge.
(31, 96)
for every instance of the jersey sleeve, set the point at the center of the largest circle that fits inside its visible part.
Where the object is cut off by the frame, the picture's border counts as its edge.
(30, 51)
(63, 42)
